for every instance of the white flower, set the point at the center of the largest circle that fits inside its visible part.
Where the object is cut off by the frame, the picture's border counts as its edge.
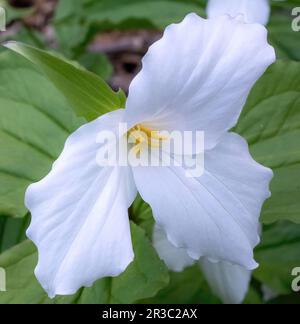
(230, 282)
(197, 77)
(254, 11)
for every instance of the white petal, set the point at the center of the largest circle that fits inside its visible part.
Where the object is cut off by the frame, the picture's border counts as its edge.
(254, 11)
(198, 76)
(79, 214)
(217, 214)
(175, 258)
(229, 282)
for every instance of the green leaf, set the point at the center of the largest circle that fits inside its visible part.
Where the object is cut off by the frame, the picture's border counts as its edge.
(144, 277)
(271, 123)
(88, 94)
(277, 255)
(283, 37)
(97, 63)
(35, 121)
(186, 287)
(252, 297)
(72, 36)
(285, 3)
(12, 231)
(141, 213)
(69, 8)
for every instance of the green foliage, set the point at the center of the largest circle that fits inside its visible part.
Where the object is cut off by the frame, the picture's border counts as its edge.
(277, 255)
(283, 37)
(271, 124)
(186, 287)
(87, 93)
(12, 231)
(35, 121)
(141, 213)
(97, 63)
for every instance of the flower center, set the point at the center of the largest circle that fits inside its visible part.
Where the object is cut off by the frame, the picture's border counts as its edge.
(142, 136)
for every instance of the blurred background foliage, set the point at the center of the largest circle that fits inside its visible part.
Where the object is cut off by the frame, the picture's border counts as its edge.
(109, 37)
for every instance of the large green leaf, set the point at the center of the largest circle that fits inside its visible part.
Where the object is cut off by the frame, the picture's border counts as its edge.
(277, 255)
(271, 124)
(144, 277)
(35, 121)
(87, 93)
(285, 40)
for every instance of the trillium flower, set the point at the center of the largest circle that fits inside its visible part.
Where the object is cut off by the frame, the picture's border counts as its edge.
(254, 11)
(197, 77)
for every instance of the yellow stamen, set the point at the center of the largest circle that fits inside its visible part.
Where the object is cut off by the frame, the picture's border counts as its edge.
(144, 135)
